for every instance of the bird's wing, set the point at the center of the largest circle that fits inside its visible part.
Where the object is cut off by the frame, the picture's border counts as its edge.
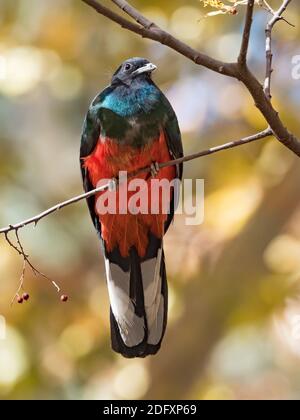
(89, 138)
(174, 142)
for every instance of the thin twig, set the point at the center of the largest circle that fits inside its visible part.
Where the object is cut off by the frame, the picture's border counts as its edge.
(26, 261)
(242, 60)
(277, 16)
(230, 145)
(35, 271)
(36, 219)
(21, 284)
(268, 7)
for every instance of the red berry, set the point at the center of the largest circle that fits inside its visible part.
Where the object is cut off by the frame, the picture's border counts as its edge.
(64, 298)
(25, 296)
(20, 299)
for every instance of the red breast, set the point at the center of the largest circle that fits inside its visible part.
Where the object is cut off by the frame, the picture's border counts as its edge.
(127, 230)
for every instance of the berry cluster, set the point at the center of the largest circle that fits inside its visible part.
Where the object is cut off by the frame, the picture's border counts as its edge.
(25, 297)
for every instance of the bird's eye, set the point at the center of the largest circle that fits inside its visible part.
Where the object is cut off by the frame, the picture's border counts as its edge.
(127, 67)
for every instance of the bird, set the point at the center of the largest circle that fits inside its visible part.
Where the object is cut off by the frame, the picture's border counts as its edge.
(129, 126)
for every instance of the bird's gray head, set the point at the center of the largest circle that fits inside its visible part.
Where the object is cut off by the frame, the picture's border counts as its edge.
(133, 68)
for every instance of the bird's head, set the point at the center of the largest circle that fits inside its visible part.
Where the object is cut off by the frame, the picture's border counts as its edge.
(133, 69)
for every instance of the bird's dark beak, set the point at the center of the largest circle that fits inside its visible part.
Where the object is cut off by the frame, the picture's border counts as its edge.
(147, 68)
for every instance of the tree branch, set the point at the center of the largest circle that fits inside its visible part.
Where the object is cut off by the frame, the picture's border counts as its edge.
(269, 55)
(132, 12)
(230, 145)
(270, 114)
(157, 34)
(35, 219)
(242, 60)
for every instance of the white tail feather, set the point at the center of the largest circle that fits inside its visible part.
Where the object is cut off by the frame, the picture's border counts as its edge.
(132, 327)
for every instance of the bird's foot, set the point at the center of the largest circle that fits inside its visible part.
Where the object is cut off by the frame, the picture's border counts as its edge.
(154, 169)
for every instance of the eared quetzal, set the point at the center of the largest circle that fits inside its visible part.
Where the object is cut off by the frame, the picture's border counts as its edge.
(129, 126)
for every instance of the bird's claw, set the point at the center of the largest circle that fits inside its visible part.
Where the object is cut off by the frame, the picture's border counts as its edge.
(154, 169)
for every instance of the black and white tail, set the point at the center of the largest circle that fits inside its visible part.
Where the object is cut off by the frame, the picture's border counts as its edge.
(138, 296)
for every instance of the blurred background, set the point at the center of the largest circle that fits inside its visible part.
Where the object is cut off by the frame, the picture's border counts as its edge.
(234, 318)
